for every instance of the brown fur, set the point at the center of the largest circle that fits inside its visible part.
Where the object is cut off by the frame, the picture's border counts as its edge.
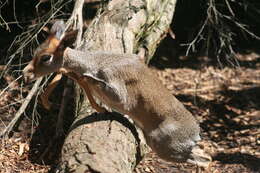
(128, 86)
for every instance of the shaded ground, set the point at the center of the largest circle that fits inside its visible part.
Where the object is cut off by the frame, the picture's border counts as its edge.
(225, 101)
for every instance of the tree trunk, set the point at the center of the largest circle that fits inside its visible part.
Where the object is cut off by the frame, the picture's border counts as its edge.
(110, 143)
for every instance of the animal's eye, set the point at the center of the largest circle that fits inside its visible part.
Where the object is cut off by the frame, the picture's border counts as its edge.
(46, 58)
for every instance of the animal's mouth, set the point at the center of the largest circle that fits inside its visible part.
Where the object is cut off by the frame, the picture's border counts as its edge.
(29, 77)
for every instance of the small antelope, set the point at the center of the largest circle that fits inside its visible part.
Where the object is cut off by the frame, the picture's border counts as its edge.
(128, 86)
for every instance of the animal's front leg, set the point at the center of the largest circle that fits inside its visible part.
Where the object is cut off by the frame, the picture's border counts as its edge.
(83, 83)
(51, 86)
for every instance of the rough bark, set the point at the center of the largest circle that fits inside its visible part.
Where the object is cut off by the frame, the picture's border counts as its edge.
(110, 143)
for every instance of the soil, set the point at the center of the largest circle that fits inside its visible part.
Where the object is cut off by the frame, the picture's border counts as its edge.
(226, 102)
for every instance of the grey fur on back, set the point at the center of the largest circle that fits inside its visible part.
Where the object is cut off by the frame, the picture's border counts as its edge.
(125, 84)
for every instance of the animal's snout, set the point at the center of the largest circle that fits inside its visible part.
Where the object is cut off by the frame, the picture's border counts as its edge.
(28, 74)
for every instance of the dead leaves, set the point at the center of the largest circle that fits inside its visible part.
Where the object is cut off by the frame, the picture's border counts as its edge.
(14, 158)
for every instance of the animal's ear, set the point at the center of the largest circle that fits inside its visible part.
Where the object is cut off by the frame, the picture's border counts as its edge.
(58, 29)
(66, 38)
(69, 38)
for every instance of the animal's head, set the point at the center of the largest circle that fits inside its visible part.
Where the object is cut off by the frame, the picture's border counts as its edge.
(48, 57)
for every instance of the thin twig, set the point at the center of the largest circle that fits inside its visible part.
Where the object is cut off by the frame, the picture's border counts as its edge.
(229, 8)
(171, 33)
(10, 84)
(11, 125)
(196, 38)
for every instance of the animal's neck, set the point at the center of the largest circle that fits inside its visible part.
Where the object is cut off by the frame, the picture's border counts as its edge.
(74, 62)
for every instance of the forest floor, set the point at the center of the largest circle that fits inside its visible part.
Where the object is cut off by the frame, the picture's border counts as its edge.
(226, 102)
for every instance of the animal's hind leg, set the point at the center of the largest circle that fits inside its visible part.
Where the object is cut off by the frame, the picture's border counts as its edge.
(92, 101)
(51, 86)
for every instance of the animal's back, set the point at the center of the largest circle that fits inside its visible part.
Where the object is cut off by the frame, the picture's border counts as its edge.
(169, 126)
(141, 93)
(135, 87)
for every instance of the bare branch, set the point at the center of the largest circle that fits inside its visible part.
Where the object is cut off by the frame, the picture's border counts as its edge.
(77, 20)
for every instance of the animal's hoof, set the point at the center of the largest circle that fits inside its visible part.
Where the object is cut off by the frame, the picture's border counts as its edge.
(199, 157)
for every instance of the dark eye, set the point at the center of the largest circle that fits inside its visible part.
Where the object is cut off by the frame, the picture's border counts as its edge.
(46, 58)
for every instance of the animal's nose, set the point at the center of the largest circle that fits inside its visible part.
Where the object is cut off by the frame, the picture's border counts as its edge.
(28, 77)
(28, 74)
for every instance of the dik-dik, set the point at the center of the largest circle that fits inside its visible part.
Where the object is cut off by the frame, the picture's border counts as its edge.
(125, 84)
